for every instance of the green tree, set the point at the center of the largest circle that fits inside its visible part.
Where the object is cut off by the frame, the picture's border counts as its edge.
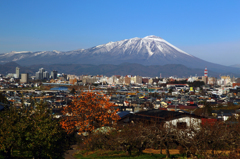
(73, 91)
(43, 136)
(10, 133)
(32, 130)
(196, 84)
(3, 100)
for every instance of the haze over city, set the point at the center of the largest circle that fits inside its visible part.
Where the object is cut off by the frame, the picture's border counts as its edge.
(206, 29)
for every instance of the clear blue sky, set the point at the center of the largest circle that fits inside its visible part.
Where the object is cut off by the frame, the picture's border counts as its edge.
(208, 29)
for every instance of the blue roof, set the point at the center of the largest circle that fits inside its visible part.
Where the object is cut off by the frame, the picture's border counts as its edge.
(59, 89)
(123, 113)
(57, 84)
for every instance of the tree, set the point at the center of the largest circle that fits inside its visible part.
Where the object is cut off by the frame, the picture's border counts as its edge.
(88, 111)
(196, 84)
(43, 135)
(73, 91)
(134, 136)
(162, 137)
(32, 130)
(129, 138)
(3, 99)
(9, 131)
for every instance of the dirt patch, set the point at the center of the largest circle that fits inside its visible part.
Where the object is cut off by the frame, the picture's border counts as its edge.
(70, 153)
(171, 151)
(219, 152)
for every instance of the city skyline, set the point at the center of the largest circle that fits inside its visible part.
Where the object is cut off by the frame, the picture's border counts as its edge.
(206, 29)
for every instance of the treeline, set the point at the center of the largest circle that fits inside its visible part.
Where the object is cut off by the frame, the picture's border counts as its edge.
(31, 132)
(211, 140)
(191, 84)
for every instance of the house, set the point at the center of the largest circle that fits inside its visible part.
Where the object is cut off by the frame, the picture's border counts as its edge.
(164, 118)
(225, 114)
(123, 114)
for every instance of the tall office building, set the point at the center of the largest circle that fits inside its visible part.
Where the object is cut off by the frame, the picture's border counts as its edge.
(45, 75)
(17, 72)
(41, 70)
(42, 74)
(39, 75)
(24, 78)
(54, 74)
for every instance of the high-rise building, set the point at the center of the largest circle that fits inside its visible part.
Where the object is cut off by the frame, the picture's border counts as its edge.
(54, 74)
(45, 75)
(39, 75)
(41, 70)
(42, 74)
(17, 72)
(24, 78)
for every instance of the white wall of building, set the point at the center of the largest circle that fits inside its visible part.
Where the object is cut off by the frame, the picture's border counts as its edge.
(190, 121)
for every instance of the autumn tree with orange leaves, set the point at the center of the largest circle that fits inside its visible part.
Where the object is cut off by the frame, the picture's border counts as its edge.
(88, 111)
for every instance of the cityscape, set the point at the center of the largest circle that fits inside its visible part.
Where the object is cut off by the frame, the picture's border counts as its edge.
(119, 79)
(133, 97)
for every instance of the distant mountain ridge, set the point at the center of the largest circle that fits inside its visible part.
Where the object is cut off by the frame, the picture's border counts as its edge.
(236, 65)
(150, 50)
(109, 69)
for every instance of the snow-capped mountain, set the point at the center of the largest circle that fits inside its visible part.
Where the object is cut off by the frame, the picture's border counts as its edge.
(150, 50)
(147, 46)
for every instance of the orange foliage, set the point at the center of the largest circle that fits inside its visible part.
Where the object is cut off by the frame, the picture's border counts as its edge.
(88, 111)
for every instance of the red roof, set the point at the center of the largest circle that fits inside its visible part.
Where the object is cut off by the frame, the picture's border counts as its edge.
(162, 108)
(208, 121)
(118, 76)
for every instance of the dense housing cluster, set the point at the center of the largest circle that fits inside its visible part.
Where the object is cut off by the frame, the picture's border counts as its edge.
(170, 105)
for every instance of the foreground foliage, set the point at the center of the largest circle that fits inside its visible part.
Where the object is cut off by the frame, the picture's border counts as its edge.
(31, 131)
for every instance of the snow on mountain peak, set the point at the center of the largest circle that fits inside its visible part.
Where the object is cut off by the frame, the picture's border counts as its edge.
(56, 51)
(20, 52)
(152, 37)
(152, 45)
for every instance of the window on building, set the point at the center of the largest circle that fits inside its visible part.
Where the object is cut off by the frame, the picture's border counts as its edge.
(181, 125)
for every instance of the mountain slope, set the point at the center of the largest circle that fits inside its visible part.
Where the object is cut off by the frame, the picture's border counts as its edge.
(236, 65)
(150, 50)
(109, 69)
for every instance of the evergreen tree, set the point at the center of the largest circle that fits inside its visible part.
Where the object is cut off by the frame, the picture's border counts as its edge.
(32, 130)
